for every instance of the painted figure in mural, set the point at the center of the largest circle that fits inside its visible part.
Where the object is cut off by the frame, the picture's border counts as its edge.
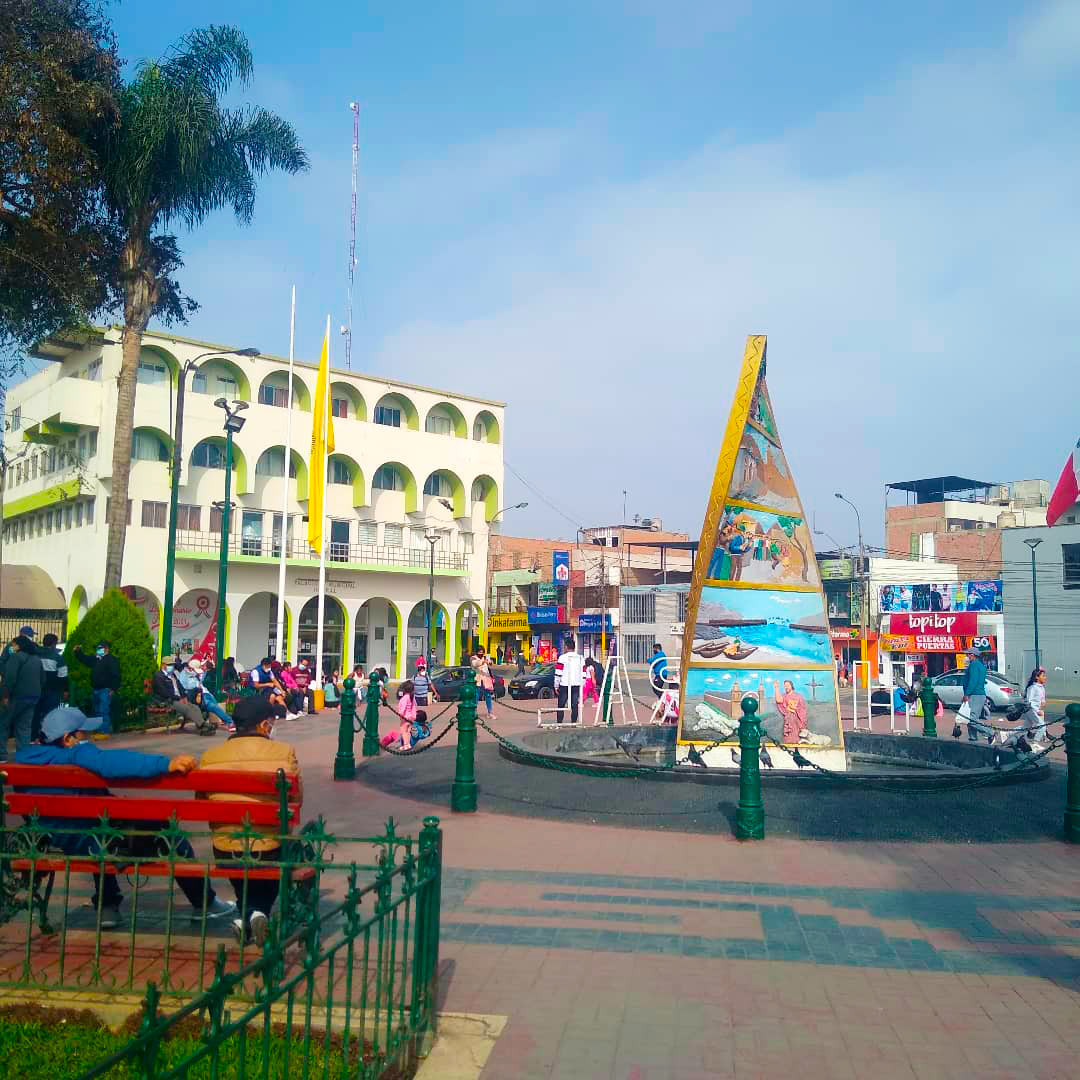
(792, 707)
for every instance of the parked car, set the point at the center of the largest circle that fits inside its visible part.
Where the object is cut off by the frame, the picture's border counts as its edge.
(448, 682)
(538, 683)
(999, 691)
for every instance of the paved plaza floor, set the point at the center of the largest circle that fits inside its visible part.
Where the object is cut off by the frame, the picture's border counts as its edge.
(650, 945)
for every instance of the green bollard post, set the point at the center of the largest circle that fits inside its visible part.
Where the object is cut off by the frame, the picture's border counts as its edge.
(929, 709)
(371, 718)
(750, 813)
(1072, 782)
(345, 762)
(463, 792)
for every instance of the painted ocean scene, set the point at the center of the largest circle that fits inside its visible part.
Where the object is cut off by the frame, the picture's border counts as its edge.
(756, 627)
(796, 707)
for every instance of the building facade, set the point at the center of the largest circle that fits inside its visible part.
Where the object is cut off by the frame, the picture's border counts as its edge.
(410, 462)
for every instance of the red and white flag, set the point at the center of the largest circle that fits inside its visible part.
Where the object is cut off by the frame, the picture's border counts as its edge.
(1068, 488)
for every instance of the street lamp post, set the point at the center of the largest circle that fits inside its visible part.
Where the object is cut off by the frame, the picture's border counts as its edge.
(862, 585)
(490, 564)
(432, 538)
(1033, 543)
(174, 490)
(233, 423)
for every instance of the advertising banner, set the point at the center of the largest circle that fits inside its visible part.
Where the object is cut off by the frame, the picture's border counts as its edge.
(594, 624)
(936, 643)
(510, 622)
(549, 615)
(560, 567)
(546, 594)
(934, 622)
(967, 596)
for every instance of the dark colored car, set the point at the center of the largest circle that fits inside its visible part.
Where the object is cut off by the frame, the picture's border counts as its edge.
(538, 683)
(448, 682)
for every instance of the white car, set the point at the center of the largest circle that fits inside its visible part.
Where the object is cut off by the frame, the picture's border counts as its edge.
(1000, 692)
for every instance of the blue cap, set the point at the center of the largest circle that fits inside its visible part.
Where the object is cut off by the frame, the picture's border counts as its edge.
(66, 720)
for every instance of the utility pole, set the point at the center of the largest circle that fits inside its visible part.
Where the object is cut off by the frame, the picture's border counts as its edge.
(1033, 543)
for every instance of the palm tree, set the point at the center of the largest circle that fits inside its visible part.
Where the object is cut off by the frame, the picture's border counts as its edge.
(177, 155)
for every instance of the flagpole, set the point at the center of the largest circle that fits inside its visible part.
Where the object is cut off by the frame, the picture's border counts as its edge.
(321, 421)
(282, 645)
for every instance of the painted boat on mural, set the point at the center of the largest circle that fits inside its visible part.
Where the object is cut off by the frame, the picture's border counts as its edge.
(756, 577)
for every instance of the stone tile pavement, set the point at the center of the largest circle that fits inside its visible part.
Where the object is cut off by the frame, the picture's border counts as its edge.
(649, 954)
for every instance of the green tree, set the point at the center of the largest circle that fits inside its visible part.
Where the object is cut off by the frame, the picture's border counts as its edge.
(59, 75)
(176, 155)
(790, 525)
(115, 619)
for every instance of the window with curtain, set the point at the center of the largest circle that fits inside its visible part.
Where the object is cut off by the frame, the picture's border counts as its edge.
(367, 532)
(270, 394)
(387, 415)
(154, 514)
(272, 463)
(208, 455)
(339, 407)
(439, 423)
(199, 383)
(152, 373)
(479, 491)
(393, 535)
(438, 484)
(387, 478)
(189, 517)
(339, 472)
(479, 430)
(145, 446)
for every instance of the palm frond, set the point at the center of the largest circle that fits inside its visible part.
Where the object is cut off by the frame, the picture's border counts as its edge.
(210, 58)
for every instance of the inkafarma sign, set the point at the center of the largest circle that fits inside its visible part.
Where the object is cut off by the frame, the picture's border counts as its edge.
(756, 618)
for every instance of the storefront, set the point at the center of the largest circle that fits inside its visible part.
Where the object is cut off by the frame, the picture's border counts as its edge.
(594, 634)
(851, 647)
(548, 626)
(937, 641)
(510, 631)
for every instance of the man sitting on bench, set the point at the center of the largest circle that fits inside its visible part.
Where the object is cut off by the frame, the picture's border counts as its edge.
(61, 745)
(251, 750)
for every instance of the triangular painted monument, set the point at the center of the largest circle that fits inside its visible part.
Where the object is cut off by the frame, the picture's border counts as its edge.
(756, 618)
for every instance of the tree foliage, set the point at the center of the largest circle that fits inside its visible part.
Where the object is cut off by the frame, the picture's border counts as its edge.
(59, 76)
(114, 618)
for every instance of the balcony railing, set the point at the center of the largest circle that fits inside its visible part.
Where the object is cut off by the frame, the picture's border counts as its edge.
(270, 547)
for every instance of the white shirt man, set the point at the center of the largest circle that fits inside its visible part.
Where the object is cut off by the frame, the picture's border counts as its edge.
(569, 678)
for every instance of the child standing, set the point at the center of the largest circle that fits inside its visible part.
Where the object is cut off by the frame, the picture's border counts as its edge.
(407, 711)
(588, 686)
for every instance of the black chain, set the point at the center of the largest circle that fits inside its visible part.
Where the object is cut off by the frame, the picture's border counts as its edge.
(426, 745)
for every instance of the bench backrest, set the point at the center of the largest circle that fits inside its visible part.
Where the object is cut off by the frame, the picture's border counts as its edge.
(160, 796)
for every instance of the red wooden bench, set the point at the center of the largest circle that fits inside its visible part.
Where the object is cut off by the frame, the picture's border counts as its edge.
(158, 800)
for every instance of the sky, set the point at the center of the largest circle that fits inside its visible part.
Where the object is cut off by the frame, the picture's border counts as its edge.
(582, 209)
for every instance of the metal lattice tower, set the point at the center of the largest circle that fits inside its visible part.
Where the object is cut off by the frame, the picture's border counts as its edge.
(348, 329)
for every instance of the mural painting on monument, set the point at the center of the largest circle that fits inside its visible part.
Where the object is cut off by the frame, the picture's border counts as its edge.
(762, 476)
(763, 547)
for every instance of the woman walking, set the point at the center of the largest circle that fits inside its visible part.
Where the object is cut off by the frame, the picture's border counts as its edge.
(1035, 716)
(485, 682)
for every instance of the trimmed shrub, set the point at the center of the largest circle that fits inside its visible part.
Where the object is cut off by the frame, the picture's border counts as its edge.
(115, 619)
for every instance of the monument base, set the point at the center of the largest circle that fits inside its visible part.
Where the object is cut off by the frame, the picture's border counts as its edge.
(832, 758)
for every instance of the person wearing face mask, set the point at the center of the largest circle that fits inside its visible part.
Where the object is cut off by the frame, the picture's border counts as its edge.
(104, 682)
(251, 749)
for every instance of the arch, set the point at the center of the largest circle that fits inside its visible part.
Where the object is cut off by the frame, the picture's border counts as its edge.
(404, 477)
(451, 482)
(240, 465)
(464, 648)
(298, 469)
(357, 406)
(76, 609)
(143, 435)
(243, 384)
(359, 496)
(486, 491)
(485, 427)
(256, 628)
(386, 650)
(441, 640)
(150, 606)
(335, 633)
(280, 380)
(152, 353)
(408, 416)
(458, 428)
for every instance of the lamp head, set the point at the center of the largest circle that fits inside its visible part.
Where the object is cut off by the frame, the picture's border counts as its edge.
(239, 406)
(837, 494)
(249, 351)
(221, 403)
(519, 506)
(449, 505)
(1033, 542)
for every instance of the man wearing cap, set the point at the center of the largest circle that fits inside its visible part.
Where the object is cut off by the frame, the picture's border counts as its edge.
(61, 744)
(251, 749)
(24, 680)
(975, 696)
(423, 687)
(56, 676)
(190, 678)
(104, 681)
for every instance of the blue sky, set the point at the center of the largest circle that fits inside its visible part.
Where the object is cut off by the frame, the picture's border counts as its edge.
(582, 209)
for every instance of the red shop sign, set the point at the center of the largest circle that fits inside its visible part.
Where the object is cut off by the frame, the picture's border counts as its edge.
(934, 622)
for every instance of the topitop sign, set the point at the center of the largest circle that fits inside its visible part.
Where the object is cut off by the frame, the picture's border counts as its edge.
(934, 622)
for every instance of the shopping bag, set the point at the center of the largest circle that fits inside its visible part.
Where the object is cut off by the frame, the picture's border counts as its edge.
(964, 712)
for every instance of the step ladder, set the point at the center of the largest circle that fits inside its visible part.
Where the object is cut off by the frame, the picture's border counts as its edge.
(617, 683)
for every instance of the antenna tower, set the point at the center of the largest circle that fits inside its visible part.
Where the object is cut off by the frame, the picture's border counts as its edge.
(355, 106)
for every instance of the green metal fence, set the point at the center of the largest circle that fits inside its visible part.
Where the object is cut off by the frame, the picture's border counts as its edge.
(344, 985)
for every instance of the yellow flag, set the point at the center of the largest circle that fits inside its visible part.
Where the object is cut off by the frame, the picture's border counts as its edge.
(322, 444)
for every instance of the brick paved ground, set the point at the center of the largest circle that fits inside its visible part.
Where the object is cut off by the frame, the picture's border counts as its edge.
(648, 954)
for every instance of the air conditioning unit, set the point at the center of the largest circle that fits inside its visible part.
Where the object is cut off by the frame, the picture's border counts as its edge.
(646, 523)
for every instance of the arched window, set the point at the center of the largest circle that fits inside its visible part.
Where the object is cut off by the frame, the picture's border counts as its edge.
(208, 455)
(152, 371)
(439, 422)
(272, 463)
(388, 413)
(387, 478)
(339, 472)
(274, 391)
(438, 484)
(146, 446)
(479, 430)
(479, 491)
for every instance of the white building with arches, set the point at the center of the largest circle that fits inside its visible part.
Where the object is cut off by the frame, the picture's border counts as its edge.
(410, 462)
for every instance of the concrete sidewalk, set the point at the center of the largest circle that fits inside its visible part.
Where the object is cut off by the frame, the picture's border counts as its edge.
(647, 954)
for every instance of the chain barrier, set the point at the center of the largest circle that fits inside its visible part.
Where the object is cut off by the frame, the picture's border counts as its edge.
(358, 718)
(879, 783)
(426, 745)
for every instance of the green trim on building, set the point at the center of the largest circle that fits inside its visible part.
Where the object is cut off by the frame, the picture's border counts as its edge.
(371, 568)
(57, 493)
